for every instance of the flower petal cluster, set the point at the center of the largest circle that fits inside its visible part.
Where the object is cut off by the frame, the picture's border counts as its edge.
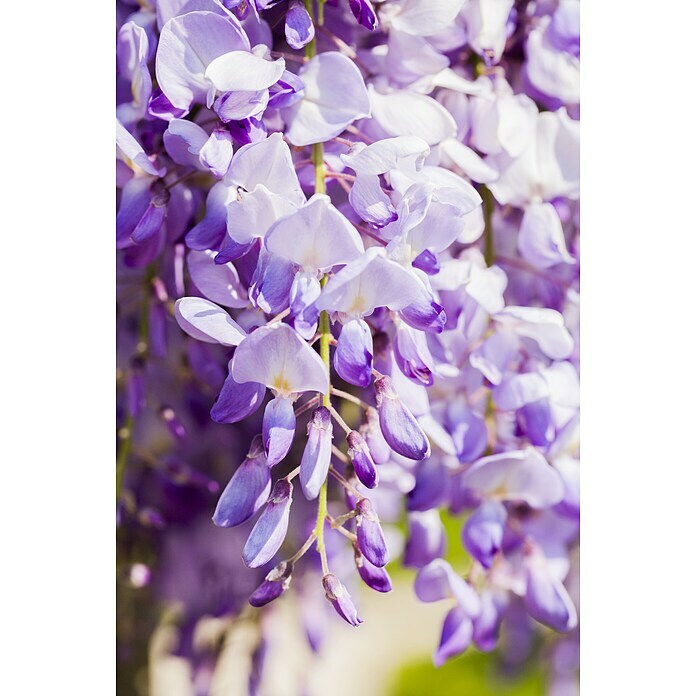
(363, 218)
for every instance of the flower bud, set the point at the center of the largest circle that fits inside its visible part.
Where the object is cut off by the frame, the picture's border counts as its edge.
(379, 449)
(276, 582)
(412, 355)
(246, 491)
(354, 350)
(153, 218)
(338, 595)
(269, 531)
(370, 536)
(362, 460)
(316, 458)
(278, 429)
(399, 426)
(376, 578)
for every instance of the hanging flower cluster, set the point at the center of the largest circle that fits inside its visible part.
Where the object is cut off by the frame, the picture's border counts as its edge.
(372, 208)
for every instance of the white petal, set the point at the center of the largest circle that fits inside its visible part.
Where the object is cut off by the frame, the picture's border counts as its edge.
(486, 24)
(545, 326)
(541, 240)
(518, 390)
(207, 322)
(187, 45)
(551, 71)
(406, 113)
(425, 17)
(276, 356)
(267, 162)
(386, 154)
(253, 214)
(334, 97)
(241, 71)
(316, 236)
(521, 475)
(468, 161)
(183, 140)
(369, 282)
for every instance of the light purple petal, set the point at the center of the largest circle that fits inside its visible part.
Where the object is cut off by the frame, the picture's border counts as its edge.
(276, 356)
(522, 475)
(316, 457)
(334, 96)
(187, 45)
(541, 240)
(207, 322)
(278, 429)
(316, 236)
(457, 632)
(353, 356)
(299, 30)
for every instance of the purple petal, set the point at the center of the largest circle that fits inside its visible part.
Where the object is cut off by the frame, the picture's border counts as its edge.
(269, 531)
(399, 426)
(412, 355)
(547, 600)
(482, 534)
(270, 286)
(456, 636)
(364, 12)
(361, 458)
(376, 578)
(370, 536)
(426, 538)
(316, 458)
(299, 30)
(353, 355)
(246, 491)
(237, 401)
(369, 201)
(427, 262)
(425, 315)
(487, 624)
(371, 431)
(278, 429)
(341, 601)
(432, 484)
(211, 230)
(151, 222)
(275, 583)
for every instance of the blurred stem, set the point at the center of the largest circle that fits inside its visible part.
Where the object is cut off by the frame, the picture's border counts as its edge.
(125, 433)
(488, 238)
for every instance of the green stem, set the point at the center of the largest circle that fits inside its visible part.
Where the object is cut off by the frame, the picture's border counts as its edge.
(324, 326)
(488, 239)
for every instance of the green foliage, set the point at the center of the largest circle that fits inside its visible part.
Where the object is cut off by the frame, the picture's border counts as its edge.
(474, 674)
